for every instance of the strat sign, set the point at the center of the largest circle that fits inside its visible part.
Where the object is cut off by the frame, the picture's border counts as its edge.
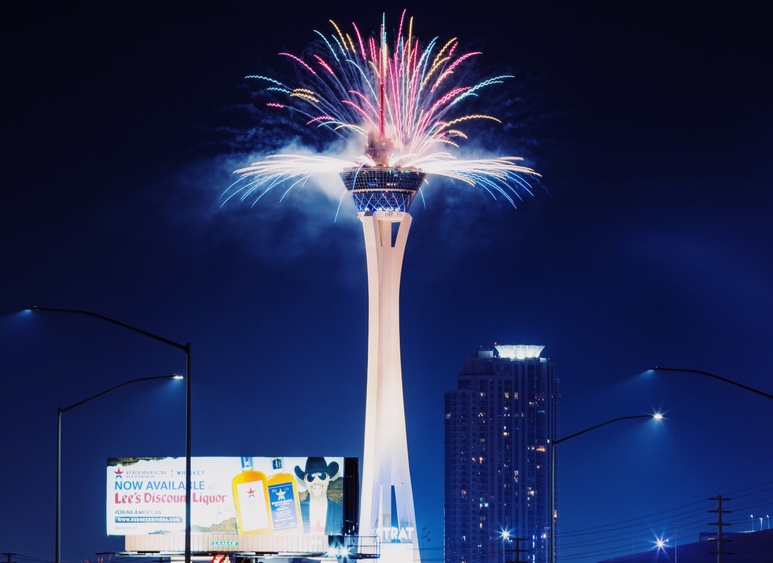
(247, 495)
(394, 534)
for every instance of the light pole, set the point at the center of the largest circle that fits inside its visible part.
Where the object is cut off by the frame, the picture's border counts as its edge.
(505, 537)
(713, 376)
(553, 444)
(676, 546)
(185, 348)
(60, 412)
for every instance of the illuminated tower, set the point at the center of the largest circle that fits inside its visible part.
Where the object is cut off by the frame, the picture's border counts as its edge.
(383, 195)
(405, 99)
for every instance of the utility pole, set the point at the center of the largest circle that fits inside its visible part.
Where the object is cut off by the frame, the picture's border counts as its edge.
(9, 555)
(517, 549)
(719, 525)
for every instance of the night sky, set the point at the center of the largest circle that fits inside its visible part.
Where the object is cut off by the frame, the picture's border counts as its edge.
(646, 242)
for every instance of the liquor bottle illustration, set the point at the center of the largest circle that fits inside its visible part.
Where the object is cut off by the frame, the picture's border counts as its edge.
(250, 500)
(283, 500)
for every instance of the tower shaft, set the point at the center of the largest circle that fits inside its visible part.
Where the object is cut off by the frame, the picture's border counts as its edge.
(386, 507)
(382, 196)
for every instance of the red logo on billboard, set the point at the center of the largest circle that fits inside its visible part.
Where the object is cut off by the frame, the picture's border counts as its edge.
(220, 558)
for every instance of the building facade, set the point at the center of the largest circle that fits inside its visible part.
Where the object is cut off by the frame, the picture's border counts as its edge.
(498, 425)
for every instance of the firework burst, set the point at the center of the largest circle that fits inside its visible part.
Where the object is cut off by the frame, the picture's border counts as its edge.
(403, 100)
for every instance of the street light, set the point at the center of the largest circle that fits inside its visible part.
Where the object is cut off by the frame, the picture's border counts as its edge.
(731, 382)
(713, 376)
(185, 348)
(60, 412)
(553, 444)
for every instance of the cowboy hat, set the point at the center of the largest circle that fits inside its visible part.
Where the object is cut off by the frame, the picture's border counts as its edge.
(316, 465)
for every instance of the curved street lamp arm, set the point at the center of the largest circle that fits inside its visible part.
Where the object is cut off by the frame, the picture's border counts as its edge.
(713, 376)
(106, 391)
(59, 413)
(565, 438)
(115, 322)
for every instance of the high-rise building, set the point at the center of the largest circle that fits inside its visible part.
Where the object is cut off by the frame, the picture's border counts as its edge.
(498, 425)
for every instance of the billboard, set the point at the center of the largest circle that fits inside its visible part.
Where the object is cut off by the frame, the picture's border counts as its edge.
(243, 496)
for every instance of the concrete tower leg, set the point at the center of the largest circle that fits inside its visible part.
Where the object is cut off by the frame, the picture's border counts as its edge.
(386, 506)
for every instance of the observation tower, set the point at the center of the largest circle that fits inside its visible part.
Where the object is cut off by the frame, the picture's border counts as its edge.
(383, 196)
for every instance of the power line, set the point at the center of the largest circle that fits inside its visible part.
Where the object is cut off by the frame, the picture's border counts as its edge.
(631, 535)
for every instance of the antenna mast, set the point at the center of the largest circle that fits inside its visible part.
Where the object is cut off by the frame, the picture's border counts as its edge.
(382, 71)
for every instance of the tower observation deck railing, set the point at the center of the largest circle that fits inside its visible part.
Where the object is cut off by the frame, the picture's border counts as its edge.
(382, 188)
